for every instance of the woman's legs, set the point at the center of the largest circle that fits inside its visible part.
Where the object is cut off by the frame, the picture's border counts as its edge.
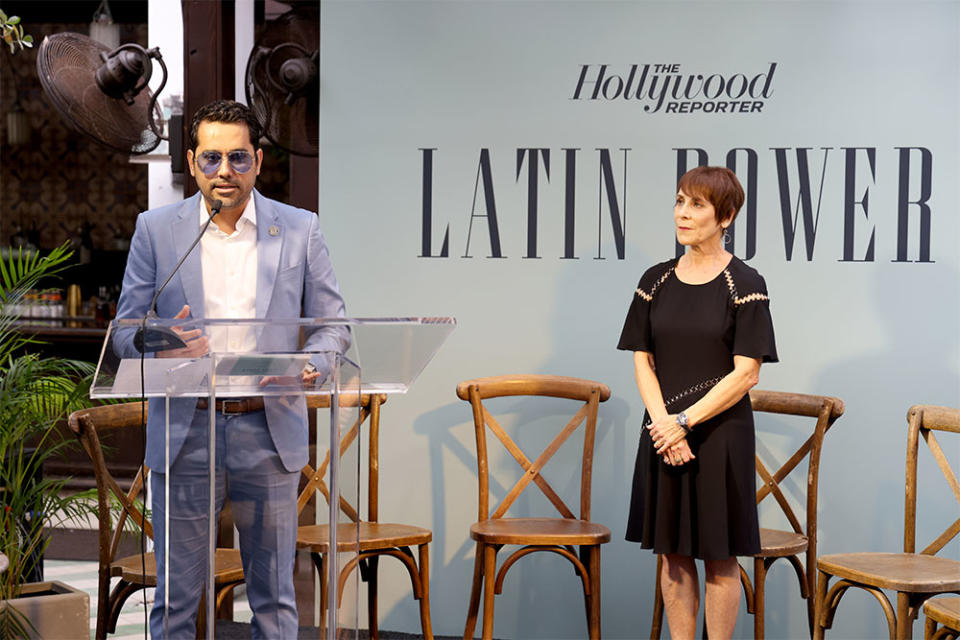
(722, 597)
(681, 595)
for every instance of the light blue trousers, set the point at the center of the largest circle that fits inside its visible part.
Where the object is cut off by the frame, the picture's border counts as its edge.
(263, 497)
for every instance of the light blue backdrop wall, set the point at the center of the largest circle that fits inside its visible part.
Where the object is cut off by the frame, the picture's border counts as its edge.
(462, 77)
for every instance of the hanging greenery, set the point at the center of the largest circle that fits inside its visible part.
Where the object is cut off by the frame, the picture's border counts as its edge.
(12, 33)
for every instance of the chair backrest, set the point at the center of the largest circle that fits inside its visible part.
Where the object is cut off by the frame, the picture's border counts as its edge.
(923, 421)
(587, 392)
(826, 410)
(87, 425)
(369, 410)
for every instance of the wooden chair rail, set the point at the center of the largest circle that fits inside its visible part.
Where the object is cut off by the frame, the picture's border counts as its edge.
(937, 417)
(563, 551)
(534, 385)
(796, 404)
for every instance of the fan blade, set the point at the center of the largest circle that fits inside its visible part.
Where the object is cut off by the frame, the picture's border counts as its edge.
(67, 64)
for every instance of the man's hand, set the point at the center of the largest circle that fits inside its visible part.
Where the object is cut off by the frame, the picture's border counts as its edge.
(197, 343)
(308, 378)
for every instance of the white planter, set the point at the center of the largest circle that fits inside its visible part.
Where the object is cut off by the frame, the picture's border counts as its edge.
(56, 610)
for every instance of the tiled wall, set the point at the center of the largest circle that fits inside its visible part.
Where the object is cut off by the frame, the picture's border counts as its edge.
(61, 180)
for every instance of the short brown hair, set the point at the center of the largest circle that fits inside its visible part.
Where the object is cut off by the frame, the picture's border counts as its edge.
(719, 186)
(226, 111)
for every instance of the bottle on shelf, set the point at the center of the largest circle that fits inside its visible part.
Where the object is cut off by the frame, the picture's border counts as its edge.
(73, 305)
(102, 314)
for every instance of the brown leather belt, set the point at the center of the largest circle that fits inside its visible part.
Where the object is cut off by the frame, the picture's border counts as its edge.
(233, 406)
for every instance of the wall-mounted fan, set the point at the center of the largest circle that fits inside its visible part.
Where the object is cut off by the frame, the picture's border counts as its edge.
(101, 92)
(282, 80)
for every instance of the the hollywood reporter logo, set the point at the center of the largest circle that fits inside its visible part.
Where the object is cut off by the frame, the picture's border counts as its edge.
(663, 87)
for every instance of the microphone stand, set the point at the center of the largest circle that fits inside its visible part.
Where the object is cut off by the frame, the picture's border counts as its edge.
(158, 338)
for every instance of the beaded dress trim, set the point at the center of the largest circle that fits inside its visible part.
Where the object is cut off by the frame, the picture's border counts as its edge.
(649, 296)
(737, 299)
(700, 386)
(734, 295)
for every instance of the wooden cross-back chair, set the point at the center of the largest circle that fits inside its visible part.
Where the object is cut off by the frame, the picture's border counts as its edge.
(942, 619)
(558, 534)
(915, 576)
(776, 543)
(370, 537)
(135, 572)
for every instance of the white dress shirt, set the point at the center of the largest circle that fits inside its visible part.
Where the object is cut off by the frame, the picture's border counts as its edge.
(229, 265)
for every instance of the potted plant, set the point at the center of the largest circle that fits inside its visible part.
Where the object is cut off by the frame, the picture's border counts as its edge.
(36, 393)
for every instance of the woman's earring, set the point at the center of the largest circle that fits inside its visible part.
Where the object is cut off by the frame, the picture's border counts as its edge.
(726, 237)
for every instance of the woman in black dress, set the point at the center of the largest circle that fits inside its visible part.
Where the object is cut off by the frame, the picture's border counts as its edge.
(699, 327)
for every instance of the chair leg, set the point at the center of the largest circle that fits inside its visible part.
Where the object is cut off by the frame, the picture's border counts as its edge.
(904, 621)
(584, 553)
(474, 605)
(759, 580)
(809, 580)
(657, 624)
(820, 605)
(320, 561)
(121, 592)
(103, 604)
(489, 574)
(373, 563)
(425, 625)
(594, 568)
(202, 618)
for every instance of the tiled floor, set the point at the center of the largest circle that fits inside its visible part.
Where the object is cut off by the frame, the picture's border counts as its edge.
(83, 575)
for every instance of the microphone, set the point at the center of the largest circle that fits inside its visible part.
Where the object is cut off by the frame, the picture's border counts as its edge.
(149, 339)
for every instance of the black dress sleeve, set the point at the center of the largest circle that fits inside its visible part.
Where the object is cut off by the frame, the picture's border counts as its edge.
(636, 335)
(753, 329)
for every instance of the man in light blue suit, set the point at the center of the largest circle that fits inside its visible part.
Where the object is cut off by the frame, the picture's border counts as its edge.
(259, 258)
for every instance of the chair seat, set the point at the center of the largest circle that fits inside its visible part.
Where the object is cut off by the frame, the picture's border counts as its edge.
(228, 568)
(906, 572)
(539, 531)
(372, 535)
(946, 611)
(776, 543)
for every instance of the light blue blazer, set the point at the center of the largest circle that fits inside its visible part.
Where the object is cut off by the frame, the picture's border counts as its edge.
(295, 279)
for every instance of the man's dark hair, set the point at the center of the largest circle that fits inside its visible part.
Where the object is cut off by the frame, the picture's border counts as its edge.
(226, 111)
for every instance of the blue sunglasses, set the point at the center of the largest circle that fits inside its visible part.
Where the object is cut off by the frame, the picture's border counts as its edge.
(209, 162)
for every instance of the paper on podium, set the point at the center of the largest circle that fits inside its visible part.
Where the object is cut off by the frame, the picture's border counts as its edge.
(262, 365)
(128, 380)
(248, 366)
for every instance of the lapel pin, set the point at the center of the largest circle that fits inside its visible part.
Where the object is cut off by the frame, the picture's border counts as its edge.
(274, 231)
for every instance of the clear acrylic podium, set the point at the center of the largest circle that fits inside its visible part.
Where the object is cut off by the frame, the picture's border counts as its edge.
(241, 367)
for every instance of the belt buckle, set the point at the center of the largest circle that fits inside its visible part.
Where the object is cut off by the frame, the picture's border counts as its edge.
(240, 404)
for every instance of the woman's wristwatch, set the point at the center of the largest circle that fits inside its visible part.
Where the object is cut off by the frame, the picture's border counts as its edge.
(683, 421)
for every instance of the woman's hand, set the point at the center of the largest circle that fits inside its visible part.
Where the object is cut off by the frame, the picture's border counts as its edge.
(666, 432)
(678, 454)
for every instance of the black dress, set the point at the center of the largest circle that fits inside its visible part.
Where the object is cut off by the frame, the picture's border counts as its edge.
(705, 508)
